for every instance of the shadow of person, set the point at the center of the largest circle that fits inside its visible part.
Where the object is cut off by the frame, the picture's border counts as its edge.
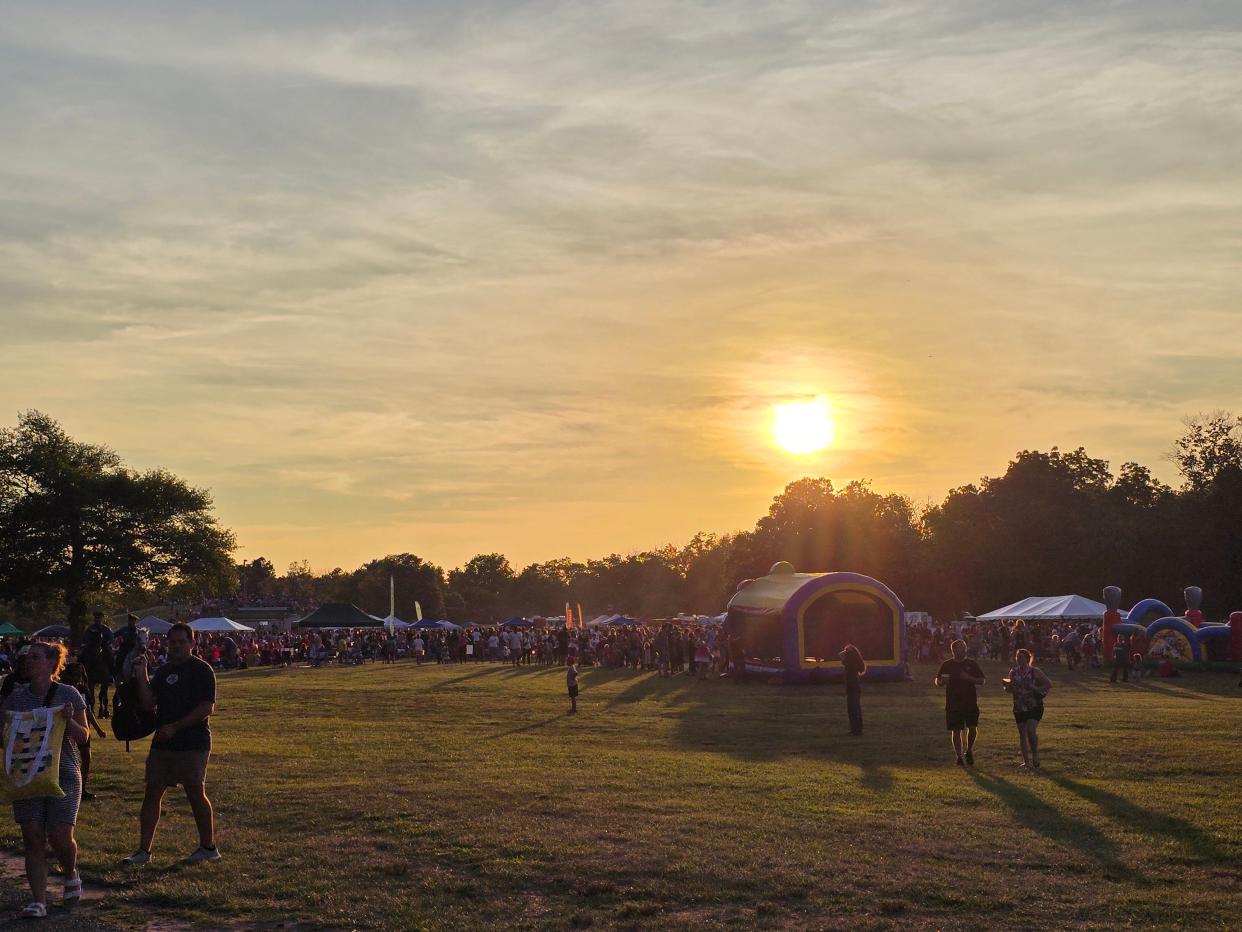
(1033, 812)
(1156, 825)
(449, 684)
(524, 728)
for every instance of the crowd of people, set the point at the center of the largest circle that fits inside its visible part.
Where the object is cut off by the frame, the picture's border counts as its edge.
(177, 700)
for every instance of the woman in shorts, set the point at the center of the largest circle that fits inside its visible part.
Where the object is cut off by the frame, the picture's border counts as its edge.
(50, 819)
(1029, 685)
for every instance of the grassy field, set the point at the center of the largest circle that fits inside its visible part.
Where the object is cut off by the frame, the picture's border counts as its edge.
(463, 797)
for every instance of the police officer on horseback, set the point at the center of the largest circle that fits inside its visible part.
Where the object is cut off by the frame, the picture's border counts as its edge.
(96, 657)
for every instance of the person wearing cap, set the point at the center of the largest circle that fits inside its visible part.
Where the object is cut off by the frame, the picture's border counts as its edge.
(95, 654)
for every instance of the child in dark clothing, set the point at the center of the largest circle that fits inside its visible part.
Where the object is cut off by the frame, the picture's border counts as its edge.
(571, 683)
(855, 668)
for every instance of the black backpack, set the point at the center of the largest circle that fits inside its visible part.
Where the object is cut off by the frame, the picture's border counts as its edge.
(130, 721)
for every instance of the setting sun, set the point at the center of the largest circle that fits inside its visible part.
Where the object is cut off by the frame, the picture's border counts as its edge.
(803, 426)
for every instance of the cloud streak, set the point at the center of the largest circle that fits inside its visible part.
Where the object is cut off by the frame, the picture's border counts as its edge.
(533, 275)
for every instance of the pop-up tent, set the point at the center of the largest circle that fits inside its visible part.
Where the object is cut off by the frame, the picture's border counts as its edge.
(217, 625)
(53, 631)
(1049, 608)
(442, 625)
(339, 615)
(153, 623)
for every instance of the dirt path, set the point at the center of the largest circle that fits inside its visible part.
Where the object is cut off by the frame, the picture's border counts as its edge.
(14, 894)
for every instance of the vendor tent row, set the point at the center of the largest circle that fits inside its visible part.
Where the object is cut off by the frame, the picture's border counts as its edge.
(154, 625)
(333, 615)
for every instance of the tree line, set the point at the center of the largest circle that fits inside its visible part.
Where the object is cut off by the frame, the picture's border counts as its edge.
(77, 526)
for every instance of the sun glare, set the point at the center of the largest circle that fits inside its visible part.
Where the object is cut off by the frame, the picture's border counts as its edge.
(803, 426)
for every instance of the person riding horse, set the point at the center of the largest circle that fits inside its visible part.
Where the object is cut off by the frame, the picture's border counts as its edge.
(97, 659)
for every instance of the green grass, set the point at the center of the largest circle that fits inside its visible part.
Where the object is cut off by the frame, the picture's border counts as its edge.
(463, 797)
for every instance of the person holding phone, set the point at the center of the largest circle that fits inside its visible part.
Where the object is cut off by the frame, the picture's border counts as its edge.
(959, 677)
(1029, 685)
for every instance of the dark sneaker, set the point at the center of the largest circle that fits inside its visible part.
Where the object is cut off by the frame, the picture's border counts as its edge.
(204, 854)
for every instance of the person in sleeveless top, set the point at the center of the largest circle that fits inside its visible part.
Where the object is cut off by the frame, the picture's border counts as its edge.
(50, 820)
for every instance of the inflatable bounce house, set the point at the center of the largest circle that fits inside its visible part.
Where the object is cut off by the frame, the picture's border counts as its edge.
(1180, 637)
(795, 625)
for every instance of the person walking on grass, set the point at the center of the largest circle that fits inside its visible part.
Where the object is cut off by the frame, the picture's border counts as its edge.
(182, 694)
(571, 684)
(48, 820)
(959, 677)
(1029, 685)
(855, 669)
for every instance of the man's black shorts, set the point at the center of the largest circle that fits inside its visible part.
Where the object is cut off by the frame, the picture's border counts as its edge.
(958, 719)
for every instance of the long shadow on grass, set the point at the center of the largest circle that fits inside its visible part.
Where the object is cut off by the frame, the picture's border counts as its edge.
(447, 684)
(1188, 687)
(1033, 812)
(533, 726)
(1145, 821)
(758, 723)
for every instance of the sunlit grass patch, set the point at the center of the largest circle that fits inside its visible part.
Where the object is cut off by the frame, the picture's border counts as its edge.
(465, 798)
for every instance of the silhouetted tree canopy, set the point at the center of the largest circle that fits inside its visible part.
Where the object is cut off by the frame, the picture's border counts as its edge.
(74, 520)
(1051, 523)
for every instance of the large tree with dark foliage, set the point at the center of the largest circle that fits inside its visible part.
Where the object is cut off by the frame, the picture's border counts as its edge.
(74, 520)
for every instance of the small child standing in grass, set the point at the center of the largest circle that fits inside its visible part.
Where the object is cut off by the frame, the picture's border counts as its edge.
(571, 683)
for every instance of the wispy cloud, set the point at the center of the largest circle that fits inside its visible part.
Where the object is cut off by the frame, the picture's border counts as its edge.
(473, 275)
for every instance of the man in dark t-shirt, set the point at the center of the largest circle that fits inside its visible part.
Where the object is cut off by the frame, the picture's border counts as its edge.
(959, 677)
(182, 694)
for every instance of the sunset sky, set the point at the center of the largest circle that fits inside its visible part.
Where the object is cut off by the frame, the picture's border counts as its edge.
(529, 277)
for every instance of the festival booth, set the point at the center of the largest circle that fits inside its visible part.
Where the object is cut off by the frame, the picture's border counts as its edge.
(1049, 608)
(154, 624)
(796, 624)
(217, 625)
(338, 615)
(428, 625)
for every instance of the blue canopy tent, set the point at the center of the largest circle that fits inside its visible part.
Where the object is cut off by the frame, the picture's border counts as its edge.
(518, 623)
(437, 626)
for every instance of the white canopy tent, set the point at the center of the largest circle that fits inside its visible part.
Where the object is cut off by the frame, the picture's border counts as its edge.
(155, 624)
(217, 625)
(1049, 608)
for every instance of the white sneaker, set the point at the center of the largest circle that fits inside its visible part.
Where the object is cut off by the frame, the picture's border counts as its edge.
(138, 859)
(73, 889)
(35, 910)
(204, 854)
